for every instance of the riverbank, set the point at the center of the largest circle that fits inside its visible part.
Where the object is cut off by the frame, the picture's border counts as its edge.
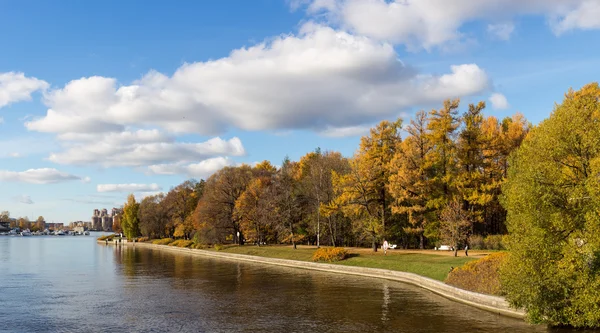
(485, 302)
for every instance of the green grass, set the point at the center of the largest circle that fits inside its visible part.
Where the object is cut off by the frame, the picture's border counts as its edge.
(430, 265)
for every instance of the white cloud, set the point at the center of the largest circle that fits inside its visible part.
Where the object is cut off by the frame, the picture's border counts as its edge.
(14, 155)
(584, 17)
(201, 170)
(341, 132)
(16, 87)
(501, 31)
(23, 199)
(139, 148)
(427, 24)
(128, 187)
(499, 101)
(318, 79)
(37, 176)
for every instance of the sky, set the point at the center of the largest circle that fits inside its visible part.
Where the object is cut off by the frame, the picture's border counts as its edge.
(99, 99)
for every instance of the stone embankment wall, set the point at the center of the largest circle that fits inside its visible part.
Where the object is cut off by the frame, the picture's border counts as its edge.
(489, 303)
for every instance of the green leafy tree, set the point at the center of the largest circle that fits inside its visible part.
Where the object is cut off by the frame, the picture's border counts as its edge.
(552, 196)
(130, 221)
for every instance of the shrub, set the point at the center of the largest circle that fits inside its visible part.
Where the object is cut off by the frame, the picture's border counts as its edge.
(142, 239)
(164, 241)
(199, 246)
(218, 247)
(494, 242)
(480, 276)
(182, 243)
(476, 242)
(107, 237)
(330, 254)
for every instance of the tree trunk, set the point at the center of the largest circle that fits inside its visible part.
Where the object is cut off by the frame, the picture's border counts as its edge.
(421, 241)
(456, 251)
(318, 225)
(331, 231)
(292, 233)
(374, 243)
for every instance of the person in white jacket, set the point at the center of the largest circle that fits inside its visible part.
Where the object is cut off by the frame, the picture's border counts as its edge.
(385, 247)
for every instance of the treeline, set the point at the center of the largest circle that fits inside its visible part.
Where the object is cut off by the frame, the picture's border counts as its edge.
(22, 222)
(435, 180)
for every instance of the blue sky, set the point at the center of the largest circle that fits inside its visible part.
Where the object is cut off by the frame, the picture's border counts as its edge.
(102, 98)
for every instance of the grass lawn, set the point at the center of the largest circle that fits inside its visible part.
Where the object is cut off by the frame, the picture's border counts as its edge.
(432, 264)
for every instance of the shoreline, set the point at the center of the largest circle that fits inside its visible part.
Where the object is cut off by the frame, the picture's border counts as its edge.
(494, 304)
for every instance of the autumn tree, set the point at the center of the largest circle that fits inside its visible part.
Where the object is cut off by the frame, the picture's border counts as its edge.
(442, 127)
(5, 216)
(40, 223)
(153, 217)
(257, 211)
(409, 182)
(455, 223)
(552, 198)
(179, 204)
(287, 187)
(315, 181)
(116, 227)
(130, 221)
(363, 193)
(23, 222)
(215, 210)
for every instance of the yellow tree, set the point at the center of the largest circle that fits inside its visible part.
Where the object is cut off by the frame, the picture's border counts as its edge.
(409, 177)
(362, 192)
(130, 222)
(470, 159)
(315, 170)
(257, 210)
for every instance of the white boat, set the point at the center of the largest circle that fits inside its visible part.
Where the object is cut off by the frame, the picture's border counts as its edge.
(59, 233)
(26, 232)
(87, 233)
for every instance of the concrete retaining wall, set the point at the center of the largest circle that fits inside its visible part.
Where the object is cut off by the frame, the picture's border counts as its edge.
(489, 303)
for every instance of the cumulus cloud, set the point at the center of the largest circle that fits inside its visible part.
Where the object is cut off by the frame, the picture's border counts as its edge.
(128, 187)
(499, 101)
(16, 87)
(201, 170)
(23, 199)
(37, 176)
(427, 24)
(139, 148)
(339, 132)
(584, 17)
(317, 79)
(501, 31)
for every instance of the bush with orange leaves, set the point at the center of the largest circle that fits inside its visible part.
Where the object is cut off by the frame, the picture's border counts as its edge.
(481, 276)
(330, 254)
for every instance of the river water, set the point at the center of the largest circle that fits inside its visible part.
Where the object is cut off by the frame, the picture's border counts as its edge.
(72, 284)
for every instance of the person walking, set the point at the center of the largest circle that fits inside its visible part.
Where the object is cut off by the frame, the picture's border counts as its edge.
(467, 250)
(385, 247)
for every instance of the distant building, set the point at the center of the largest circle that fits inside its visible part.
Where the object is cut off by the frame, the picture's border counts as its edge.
(101, 220)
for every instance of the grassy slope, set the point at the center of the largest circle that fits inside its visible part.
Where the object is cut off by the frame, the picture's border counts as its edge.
(434, 266)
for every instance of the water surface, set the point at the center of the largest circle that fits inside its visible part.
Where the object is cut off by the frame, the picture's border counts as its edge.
(72, 284)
